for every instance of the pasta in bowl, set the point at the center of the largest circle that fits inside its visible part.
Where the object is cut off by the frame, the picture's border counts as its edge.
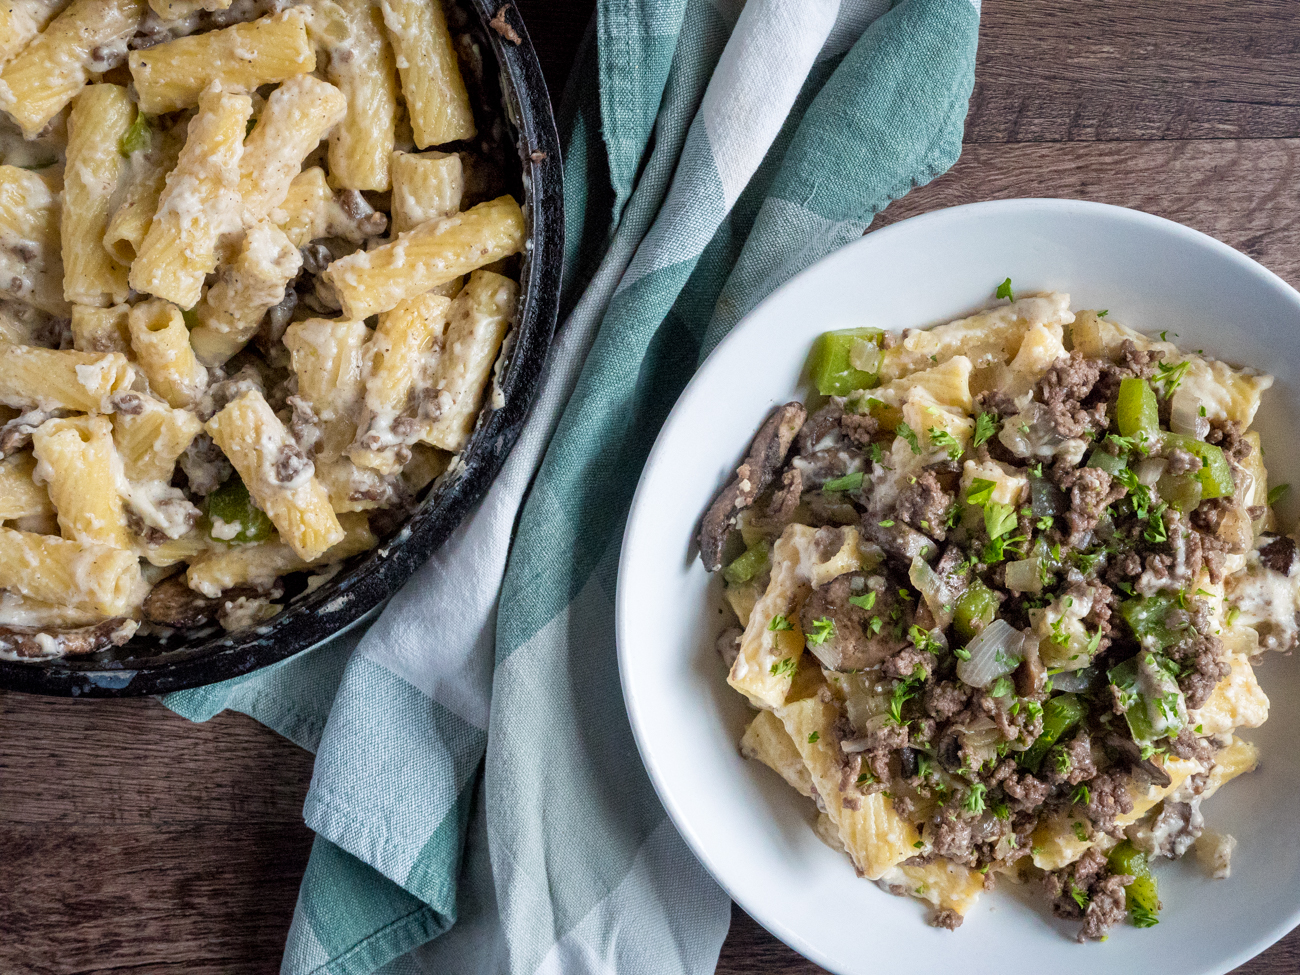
(997, 600)
(269, 304)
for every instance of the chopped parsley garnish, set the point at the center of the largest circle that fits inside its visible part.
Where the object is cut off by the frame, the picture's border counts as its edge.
(865, 601)
(1063, 763)
(784, 667)
(874, 453)
(814, 738)
(908, 434)
(849, 482)
(821, 631)
(1080, 833)
(874, 624)
(986, 424)
(942, 438)
(1004, 290)
(1142, 917)
(1080, 896)
(1202, 411)
(866, 778)
(999, 518)
(903, 692)
(981, 491)
(1233, 613)
(1278, 493)
(961, 653)
(924, 766)
(904, 594)
(1001, 810)
(887, 523)
(918, 845)
(974, 801)
(1155, 531)
(779, 623)
(1044, 523)
(1081, 796)
(1002, 687)
(1170, 376)
(1103, 313)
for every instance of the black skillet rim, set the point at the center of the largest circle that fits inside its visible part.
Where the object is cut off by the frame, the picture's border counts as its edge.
(337, 606)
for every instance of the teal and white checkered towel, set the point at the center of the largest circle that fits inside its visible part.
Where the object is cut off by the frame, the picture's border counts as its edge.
(478, 799)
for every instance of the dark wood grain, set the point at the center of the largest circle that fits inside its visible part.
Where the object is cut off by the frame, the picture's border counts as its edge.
(131, 840)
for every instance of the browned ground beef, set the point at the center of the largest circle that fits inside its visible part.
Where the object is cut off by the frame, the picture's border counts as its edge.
(1278, 555)
(1090, 491)
(1108, 797)
(924, 505)
(1087, 891)
(1226, 434)
(859, 427)
(1181, 462)
(1067, 383)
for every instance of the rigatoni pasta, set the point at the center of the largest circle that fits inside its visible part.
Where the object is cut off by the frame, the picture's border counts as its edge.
(241, 312)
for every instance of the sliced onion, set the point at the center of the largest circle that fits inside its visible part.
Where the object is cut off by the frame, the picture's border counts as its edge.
(1075, 681)
(864, 355)
(995, 652)
(1023, 576)
(1031, 433)
(1046, 497)
(1185, 414)
(1148, 471)
(931, 587)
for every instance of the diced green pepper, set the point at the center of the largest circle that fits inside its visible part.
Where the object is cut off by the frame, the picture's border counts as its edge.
(137, 138)
(1060, 714)
(974, 610)
(1181, 491)
(1147, 616)
(1107, 462)
(231, 506)
(747, 565)
(829, 366)
(1215, 475)
(1140, 897)
(1148, 693)
(1136, 410)
(849, 482)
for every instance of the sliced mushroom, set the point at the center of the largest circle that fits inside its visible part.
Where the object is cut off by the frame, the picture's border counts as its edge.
(1131, 753)
(30, 641)
(173, 603)
(765, 457)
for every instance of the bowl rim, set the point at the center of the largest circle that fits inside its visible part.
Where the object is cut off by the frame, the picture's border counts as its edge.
(340, 605)
(1061, 208)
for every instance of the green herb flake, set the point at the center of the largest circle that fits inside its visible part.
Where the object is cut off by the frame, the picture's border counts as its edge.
(986, 424)
(1080, 896)
(974, 801)
(779, 623)
(814, 738)
(942, 438)
(981, 491)
(1004, 290)
(866, 601)
(887, 523)
(1278, 493)
(1080, 833)
(908, 434)
(784, 667)
(849, 482)
(137, 138)
(822, 631)
(1001, 687)
(999, 519)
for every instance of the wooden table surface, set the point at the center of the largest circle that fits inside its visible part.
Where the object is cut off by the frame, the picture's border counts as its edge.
(133, 840)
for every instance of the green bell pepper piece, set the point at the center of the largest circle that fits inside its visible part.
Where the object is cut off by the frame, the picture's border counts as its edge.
(1215, 475)
(1140, 897)
(1148, 692)
(231, 504)
(747, 565)
(1147, 616)
(829, 366)
(974, 610)
(1181, 491)
(1107, 462)
(137, 138)
(1136, 410)
(1060, 714)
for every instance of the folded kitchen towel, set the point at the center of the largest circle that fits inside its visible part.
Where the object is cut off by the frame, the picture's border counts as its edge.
(478, 799)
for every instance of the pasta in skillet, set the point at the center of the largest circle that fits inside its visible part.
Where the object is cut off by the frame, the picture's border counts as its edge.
(254, 279)
(997, 602)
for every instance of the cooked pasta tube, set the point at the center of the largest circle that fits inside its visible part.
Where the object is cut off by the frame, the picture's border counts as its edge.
(162, 345)
(434, 253)
(102, 329)
(245, 290)
(31, 267)
(427, 186)
(261, 564)
(52, 379)
(77, 461)
(279, 478)
(328, 357)
(37, 84)
(297, 116)
(151, 436)
(174, 75)
(20, 495)
(477, 324)
(400, 354)
(199, 203)
(436, 99)
(101, 114)
(98, 578)
(143, 183)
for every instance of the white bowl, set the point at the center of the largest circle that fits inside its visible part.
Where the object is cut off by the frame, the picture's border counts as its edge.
(750, 829)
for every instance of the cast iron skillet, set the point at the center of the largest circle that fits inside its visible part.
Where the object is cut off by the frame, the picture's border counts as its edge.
(142, 667)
